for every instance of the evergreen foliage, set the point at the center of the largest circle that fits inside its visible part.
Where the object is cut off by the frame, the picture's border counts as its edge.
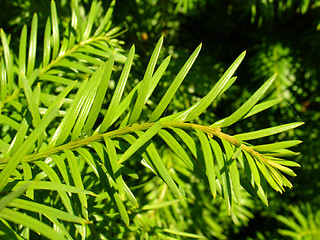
(88, 153)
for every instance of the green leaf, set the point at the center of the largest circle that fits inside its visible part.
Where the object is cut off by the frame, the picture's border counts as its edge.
(4, 146)
(55, 30)
(33, 76)
(105, 181)
(285, 181)
(141, 152)
(197, 109)
(161, 170)
(77, 180)
(7, 231)
(261, 107)
(250, 167)
(277, 145)
(183, 234)
(52, 186)
(36, 94)
(32, 45)
(30, 222)
(233, 170)
(65, 42)
(237, 153)
(86, 58)
(268, 176)
(96, 89)
(123, 106)
(8, 60)
(174, 85)
(107, 120)
(152, 161)
(27, 175)
(146, 82)
(57, 79)
(4, 201)
(267, 132)
(72, 28)
(154, 81)
(223, 173)
(280, 180)
(20, 135)
(284, 162)
(281, 153)
(91, 17)
(60, 227)
(188, 140)
(130, 195)
(46, 210)
(33, 137)
(47, 44)
(77, 23)
(22, 53)
(33, 107)
(10, 122)
(253, 169)
(247, 106)
(280, 167)
(159, 205)
(86, 155)
(62, 95)
(290, 223)
(99, 53)
(208, 160)
(140, 142)
(65, 126)
(123, 212)
(112, 154)
(181, 153)
(75, 66)
(304, 223)
(54, 178)
(157, 76)
(3, 81)
(106, 19)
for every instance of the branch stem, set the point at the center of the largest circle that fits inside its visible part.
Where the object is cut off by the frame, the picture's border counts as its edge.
(131, 129)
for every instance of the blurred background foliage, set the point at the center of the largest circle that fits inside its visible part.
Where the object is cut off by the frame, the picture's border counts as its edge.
(280, 37)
